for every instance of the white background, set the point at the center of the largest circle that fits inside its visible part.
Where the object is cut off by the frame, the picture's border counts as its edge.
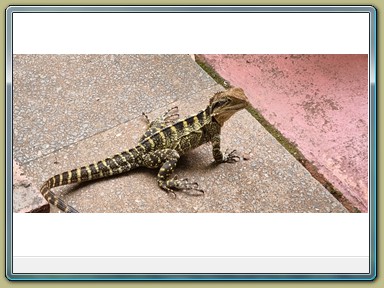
(184, 234)
(262, 33)
(191, 234)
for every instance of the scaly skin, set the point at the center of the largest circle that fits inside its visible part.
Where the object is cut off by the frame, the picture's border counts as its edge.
(161, 145)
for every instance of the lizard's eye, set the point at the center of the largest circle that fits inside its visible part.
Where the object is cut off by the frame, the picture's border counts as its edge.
(220, 103)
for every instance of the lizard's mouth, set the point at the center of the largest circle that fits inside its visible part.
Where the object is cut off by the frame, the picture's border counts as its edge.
(227, 112)
(234, 108)
(238, 106)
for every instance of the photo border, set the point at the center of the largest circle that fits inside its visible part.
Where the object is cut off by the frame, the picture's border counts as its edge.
(195, 9)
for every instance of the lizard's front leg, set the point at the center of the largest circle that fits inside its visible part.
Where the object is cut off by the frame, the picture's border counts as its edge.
(219, 156)
(167, 159)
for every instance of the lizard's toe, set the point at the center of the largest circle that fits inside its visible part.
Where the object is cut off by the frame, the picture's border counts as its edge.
(231, 157)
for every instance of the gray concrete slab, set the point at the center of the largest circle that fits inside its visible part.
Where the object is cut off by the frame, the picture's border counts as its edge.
(271, 180)
(61, 99)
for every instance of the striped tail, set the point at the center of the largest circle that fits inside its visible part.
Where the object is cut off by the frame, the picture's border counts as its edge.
(119, 163)
(54, 200)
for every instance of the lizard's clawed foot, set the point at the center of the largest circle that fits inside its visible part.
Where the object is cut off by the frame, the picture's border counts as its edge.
(146, 118)
(231, 157)
(184, 184)
(171, 115)
(179, 184)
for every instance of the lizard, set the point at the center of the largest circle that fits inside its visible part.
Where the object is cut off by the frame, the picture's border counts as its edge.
(167, 137)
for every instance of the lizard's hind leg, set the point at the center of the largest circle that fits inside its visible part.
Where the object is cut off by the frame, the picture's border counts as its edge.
(169, 117)
(167, 159)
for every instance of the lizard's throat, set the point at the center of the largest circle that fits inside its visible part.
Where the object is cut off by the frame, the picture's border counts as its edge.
(221, 118)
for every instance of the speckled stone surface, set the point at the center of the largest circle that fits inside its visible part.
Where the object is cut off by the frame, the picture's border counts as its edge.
(63, 99)
(271, 180)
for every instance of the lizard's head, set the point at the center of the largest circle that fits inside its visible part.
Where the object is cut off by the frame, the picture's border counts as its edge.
(226, 103)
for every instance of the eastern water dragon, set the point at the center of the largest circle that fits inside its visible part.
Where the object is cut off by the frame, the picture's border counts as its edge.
(161, 145)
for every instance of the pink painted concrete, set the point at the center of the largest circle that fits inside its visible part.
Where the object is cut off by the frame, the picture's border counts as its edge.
(319, 102)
